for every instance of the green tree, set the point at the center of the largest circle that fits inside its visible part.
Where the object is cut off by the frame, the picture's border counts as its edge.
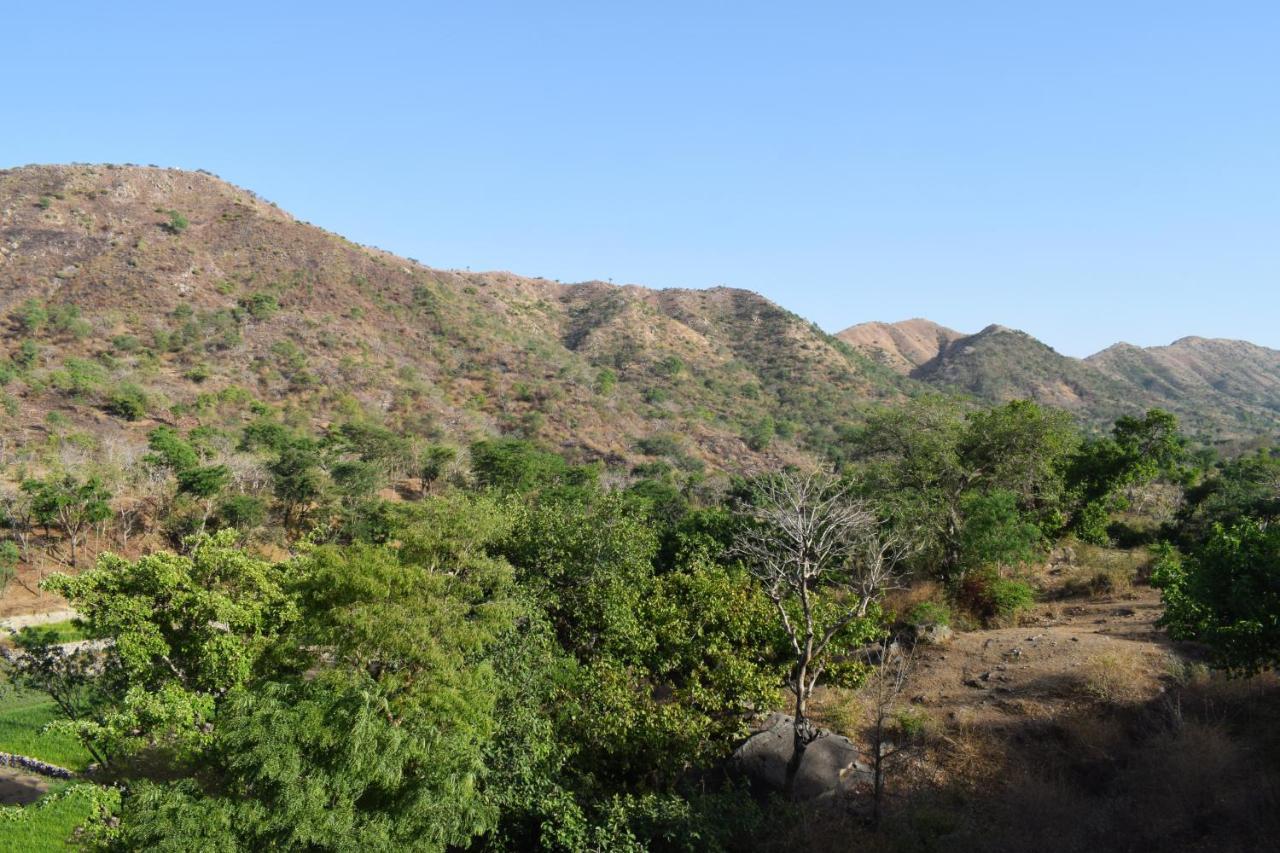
(9, 555)
(185, 631)
(1227, 594)
(297, 479)
(1137, 451)
(923, 463)
(371, 729)
(171, 450)
(435, 461)
(70, 505)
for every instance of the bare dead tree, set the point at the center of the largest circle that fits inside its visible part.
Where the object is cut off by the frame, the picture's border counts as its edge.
(884, 687)
(823, 558)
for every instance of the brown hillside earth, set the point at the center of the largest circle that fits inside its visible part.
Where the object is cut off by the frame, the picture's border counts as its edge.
(1220, 379)
(901, 346)
(204, 296)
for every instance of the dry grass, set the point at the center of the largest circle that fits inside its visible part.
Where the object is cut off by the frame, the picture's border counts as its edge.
(1118, 677)
(1096, 571)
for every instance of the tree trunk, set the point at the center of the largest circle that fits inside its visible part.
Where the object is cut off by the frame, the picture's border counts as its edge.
(802, 729)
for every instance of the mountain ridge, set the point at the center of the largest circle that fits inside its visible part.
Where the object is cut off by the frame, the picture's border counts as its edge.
(1215, 384)
(190, 288)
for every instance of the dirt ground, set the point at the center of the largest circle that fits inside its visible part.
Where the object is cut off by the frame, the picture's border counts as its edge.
(18, 787)
(1102, 648)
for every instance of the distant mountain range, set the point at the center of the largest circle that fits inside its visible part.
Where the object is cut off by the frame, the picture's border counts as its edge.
(1230, 388)
(205, 303)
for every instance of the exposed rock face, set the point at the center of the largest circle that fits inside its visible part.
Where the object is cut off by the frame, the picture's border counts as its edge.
(831, 764)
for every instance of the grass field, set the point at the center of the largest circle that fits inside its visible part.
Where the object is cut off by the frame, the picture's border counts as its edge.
(48, 823)
(22, 716)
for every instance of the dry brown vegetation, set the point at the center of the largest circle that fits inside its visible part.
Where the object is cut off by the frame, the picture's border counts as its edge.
(1084, 729)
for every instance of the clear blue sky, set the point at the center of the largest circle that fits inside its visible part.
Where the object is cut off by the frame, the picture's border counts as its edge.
(1087, 171)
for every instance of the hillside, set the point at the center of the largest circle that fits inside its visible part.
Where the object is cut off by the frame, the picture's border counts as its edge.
(1224, 389)
(200, 300)
(1236, 380)
(902, 347)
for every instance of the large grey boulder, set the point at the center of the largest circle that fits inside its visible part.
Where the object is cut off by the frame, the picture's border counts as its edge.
(831, 763)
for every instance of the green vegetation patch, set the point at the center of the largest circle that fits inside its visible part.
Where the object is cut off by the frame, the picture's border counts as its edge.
(23, 717)
(50, 823)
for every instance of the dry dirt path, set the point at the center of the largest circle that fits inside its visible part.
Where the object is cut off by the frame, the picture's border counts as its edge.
(1073, 649)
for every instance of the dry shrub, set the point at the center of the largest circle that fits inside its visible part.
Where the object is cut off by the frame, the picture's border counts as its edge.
(837, 708)
(1118, 676)
(901, 601)
(1100, 571)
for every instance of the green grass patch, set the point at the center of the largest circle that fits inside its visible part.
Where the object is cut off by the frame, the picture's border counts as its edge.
(23, 715)
(49, 823)
(61, 632)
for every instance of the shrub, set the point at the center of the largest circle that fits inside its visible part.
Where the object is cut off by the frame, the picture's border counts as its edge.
(992, 598)
(653, 396)
(670, 367)
(26, 354)
(929, 613)
(760, 434)
(260, 306)
(67, 320)
(177, 222)
(1091, 524)
(30, 316)
(243, 512)
(128, 401)
(658, 445)
(8, 563)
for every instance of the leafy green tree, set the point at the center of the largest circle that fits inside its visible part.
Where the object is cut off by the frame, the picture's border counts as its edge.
(435, 461)
(995, 532)
(70, 505)
(1245, 487)
(242, 512)
(185, 631)
(371, 729)
(204, 482)
(171, 450)
(922, 464)
(1227, 594)
(1137, 451)
(517, 465)
(297, 479)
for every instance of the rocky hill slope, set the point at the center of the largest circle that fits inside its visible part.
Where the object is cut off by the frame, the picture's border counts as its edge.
(134, 295)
